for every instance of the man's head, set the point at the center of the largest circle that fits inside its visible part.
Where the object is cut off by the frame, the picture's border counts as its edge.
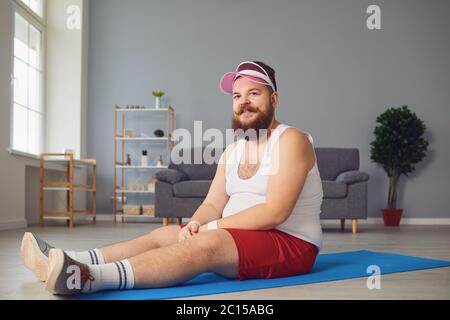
(255, 97)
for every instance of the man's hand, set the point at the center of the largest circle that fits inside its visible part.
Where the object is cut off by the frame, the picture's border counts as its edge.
(192, 228)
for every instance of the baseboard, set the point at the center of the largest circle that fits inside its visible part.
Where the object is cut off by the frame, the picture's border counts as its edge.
(404, 221)
(12, 224)
(109, 218)
(331, 222)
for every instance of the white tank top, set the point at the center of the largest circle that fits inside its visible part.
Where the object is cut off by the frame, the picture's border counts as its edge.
(304, 221)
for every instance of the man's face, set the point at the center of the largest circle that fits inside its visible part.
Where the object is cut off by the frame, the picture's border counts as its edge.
(253, 105)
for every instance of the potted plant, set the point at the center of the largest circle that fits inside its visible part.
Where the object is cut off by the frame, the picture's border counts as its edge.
(158, 94)
(399, 144)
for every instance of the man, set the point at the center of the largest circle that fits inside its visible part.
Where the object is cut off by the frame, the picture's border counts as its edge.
(260, 219)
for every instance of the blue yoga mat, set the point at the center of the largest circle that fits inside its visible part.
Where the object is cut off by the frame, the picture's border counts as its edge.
(328, 267)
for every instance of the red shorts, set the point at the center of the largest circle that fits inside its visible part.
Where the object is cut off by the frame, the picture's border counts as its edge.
(272, 253)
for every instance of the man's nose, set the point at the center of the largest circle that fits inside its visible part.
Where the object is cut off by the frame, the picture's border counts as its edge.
(244, 101)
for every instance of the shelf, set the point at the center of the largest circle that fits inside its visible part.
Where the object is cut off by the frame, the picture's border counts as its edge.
(64, 213)
(143, 139)
(66, 189)
(49, 184)
(134, 216)
(140, 167)
(144, 110)
(132, 191)
(63, 188)
(66, 160)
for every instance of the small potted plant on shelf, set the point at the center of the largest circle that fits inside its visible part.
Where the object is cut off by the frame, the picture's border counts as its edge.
(158, 94)
(399, 144)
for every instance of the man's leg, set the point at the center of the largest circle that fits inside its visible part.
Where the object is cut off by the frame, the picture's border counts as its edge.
(208, 251)
(161, 267)
(34, 251)
(158, 238)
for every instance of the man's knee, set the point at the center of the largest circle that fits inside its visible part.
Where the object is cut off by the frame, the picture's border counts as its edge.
(211, 243)
(165, 236)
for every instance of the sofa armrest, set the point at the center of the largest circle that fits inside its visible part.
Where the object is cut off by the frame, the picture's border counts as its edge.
(171, 176)
(349, 177)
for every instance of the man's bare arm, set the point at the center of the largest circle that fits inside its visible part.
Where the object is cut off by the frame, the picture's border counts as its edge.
(214, 203)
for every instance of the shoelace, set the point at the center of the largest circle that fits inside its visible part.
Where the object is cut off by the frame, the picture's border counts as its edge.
(86, 276)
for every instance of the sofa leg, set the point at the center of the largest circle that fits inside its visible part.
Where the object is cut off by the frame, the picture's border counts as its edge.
(354, 226)
(342, 224)
(165, 221)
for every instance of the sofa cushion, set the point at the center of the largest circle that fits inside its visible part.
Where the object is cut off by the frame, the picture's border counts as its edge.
(334, 189)
(350, 177)
(171, 176)
(191, 189)
(199, 171)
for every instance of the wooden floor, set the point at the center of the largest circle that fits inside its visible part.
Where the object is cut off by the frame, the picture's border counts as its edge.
(16, 282)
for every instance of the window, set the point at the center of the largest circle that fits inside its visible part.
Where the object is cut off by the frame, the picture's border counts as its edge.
(37, 6)
(28, 75)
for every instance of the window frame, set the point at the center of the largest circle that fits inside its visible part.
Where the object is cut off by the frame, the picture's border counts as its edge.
(18, 7)
(42, 20)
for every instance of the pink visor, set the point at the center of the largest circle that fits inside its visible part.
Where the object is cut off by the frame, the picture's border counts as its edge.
(249, 70)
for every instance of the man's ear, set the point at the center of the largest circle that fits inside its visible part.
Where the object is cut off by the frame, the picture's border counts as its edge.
(274, 99)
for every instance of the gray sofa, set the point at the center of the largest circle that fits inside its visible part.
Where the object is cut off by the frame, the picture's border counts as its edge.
(181, 188)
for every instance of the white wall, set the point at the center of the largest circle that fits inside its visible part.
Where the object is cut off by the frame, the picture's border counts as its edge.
(12, 168)
(66, 108)
(64, 79)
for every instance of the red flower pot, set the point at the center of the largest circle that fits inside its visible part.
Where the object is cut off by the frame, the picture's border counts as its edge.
(392, 217)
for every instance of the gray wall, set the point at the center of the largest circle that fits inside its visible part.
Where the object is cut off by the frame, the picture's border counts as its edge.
(334, 75)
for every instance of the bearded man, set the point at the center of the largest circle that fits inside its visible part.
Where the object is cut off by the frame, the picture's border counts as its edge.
(260, 218)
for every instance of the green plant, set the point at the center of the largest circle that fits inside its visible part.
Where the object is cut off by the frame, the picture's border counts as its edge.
(158, 93)
(398, 145)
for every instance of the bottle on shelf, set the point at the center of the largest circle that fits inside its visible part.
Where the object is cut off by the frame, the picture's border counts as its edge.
(160, 162)
(128, 163)
(137, 185)
(144, 158)
(151, 185)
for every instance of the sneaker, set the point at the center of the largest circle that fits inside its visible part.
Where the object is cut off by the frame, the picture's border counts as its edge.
(34, 253)
(65, 275)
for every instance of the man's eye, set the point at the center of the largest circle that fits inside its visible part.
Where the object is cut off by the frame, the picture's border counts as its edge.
(254, 93)
(235, 97)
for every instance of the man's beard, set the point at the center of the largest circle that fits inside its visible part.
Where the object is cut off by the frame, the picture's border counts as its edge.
(261, 121)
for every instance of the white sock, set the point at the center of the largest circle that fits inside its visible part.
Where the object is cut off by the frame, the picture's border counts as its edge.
(111, 276)
(90, 257)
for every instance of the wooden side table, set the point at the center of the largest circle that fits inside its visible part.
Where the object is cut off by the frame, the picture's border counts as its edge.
(67, 159)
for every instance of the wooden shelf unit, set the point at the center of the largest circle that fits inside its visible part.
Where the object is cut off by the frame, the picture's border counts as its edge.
(120, 138)
(66, 159)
